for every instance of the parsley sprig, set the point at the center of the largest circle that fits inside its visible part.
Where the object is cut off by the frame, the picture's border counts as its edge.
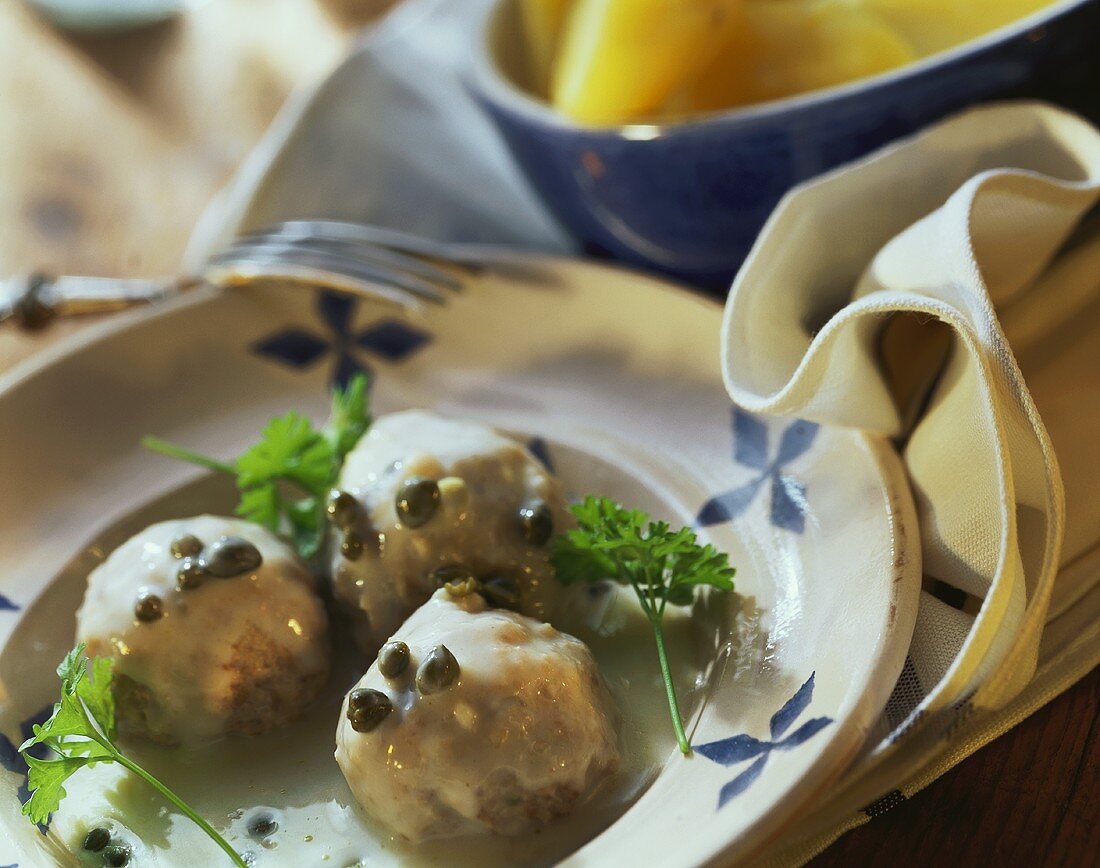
(662, 565)
(81, 733)
(292, 453)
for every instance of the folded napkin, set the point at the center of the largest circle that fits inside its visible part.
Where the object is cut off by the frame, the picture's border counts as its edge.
(912, 294)
(435, 166)
(889, 296)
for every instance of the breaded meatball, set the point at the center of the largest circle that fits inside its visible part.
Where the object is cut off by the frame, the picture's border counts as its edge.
(214, 625)
(423, 499)
(476, 720)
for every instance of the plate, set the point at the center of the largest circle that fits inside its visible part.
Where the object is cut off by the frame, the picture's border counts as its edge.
(613, 379)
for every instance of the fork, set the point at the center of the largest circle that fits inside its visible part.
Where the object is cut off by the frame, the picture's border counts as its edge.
(369, 261)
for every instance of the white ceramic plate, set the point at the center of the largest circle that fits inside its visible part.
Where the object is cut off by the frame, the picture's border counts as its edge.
(614, 377)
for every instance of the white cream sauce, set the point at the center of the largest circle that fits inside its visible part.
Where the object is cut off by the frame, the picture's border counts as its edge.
(292, 773)
(476, 524)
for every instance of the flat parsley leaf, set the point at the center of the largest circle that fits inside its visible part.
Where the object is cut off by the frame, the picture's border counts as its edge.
(291, 449)
(350, 417)
(292, 453)
(662, 565)
(262, 505)
(45, 781)
(81, 733)
(85, 712)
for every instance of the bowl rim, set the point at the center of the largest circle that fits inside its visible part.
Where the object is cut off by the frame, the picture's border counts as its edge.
(496, 87)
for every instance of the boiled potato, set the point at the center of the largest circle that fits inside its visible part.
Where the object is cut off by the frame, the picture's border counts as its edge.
(621, 60)
(542, 22)
(935, 25)
(785, 47)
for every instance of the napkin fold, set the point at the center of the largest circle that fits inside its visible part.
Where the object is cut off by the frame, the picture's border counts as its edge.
(871, 300)
(403, 142)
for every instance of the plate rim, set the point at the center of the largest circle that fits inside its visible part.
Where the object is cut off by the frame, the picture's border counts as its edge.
(888, 468)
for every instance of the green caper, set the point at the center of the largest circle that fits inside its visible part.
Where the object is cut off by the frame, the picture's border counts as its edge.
(231, 556)
(351, 546)
(536, 522)
(186, 546)
(367, 708)
(262, 824)
(117, 854)
(393, 658)
(501, 592)
(451, 574)
(342, 509)
(438, 671)
(149, 607)
(417, 501)
(97, 839)
(189, 575)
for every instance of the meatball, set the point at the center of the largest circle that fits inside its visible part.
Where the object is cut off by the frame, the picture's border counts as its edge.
(423, 500)
(476, 720)
(214, 625)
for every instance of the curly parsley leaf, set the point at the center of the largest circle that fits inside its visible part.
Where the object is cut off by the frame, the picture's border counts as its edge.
(81, 733)
(292, 453)
(662, 565)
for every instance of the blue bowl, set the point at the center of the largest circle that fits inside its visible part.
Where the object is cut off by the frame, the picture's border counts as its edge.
(689, 198)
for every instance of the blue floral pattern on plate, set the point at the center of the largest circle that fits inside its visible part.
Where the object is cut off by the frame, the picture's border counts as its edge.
(300, 348)
(7, 605)
(738, 748)
(751, 450)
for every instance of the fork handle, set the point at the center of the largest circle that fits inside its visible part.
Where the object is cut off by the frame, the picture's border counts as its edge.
(34, 300)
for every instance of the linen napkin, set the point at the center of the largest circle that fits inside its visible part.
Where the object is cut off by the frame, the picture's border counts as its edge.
(889, 295)
(403, 142)
(871, 300)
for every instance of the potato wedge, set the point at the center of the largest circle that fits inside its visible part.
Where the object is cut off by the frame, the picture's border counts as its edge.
(620, 60)
(935, 25)
(786, 47)
(543, 22)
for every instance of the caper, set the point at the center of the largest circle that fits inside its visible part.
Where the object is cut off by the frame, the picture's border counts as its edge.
(456, 579)
(97, 839)
(393, 658)
(367, 708)
(351, 546)
(536, 522)
(417, 501)
(186, 546)
(342, 508)
(117, 854)
(451, 574)
(149, 607)
(501, 591)
(231, 556)
(190, 574)
(262, 824)
(438, 671)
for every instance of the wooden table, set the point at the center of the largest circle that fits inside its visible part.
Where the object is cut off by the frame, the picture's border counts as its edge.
(111, 146)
